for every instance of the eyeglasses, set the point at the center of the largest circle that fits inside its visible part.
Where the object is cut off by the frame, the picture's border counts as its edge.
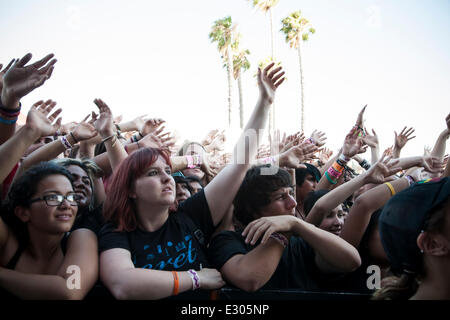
(56, 199)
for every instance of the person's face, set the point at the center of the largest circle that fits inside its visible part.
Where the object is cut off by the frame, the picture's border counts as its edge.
(81, 184)
(156, 186)
(182, 192)
(333, 221)
(50, 219)
(282, 202)
(194, 149)
(309, 185)
(196, 187)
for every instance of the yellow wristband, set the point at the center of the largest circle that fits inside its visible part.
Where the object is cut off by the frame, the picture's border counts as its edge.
(390, 187)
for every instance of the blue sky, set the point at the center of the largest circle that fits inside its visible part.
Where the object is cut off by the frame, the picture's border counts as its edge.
(148, 57)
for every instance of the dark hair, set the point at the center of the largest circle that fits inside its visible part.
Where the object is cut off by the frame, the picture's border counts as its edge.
(118, 206)
(184, 181)
(300, 174)
(311, 199)
(190, 179)
(21, 192)
(89, 166)
(406, 284)
(255, 191)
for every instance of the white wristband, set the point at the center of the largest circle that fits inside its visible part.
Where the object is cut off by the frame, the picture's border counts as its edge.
(195, 279)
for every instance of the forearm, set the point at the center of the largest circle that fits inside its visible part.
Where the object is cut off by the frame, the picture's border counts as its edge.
(333, 198)
(128, 126)
(364, 206)
(409, 162)
(147, 284)
(87, 151)
(37, 287)
(116, 152)
(100, 194)
(221, 191)
(45, 153)
(13, 149)
(253, 270)
(439, 146)
(333, 254)
(375, 155)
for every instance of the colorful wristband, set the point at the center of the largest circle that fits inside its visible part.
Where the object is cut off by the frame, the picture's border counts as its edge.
(195, 279)
(391, 188)
(329, 178)
(176, 283)
(280, 238)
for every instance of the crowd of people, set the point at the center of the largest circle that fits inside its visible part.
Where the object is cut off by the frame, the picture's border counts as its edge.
(107, 208)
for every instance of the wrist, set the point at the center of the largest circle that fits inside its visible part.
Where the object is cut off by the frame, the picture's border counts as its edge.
(8, 100)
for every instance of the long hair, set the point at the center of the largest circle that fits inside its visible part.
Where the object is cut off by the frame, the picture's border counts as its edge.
(22, 191)
(119, 208)
(406, 284)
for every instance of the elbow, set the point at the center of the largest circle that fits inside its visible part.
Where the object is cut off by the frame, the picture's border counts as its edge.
(251, 285)
(119, 291)
(353, 260)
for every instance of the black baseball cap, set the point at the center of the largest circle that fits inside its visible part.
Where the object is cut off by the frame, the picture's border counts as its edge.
(403, 218)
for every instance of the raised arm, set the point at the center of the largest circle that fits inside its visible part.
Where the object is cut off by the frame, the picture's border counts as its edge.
(19, 80)
(401, 140)
(38, 124)
(105, 127)
(82, 131)
(365, 205)
(439, 146)
(223, 188)
(376, 174)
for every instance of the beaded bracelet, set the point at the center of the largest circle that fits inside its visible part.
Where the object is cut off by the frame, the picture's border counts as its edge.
(195, 279)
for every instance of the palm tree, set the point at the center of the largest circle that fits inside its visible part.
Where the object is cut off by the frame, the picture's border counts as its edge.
(222, 32)
(266, 6)
(297, 29)
(240, 64)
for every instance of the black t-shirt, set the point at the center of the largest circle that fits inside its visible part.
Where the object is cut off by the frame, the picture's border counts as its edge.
(296, 269)
(92, 220)
(174, 246)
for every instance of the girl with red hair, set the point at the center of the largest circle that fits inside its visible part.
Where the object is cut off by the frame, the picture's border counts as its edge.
(146, 252)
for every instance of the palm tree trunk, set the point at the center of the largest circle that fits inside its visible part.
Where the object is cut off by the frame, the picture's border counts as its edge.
(272, 109)
(230, 84)
(241, 103)
(302, 89)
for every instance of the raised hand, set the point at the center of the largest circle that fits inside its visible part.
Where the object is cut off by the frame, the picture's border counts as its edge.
(20, 79)
(318, 138)
(325, 155)
(40, 120)
(360, 121)
(402, 138)
(104, 124)
(269, 82)
(2, 72)
(353, 144)
(382, 169)
(432, 164)
(371, 140)
(294, 157)
(152, 126)
(84, 131)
